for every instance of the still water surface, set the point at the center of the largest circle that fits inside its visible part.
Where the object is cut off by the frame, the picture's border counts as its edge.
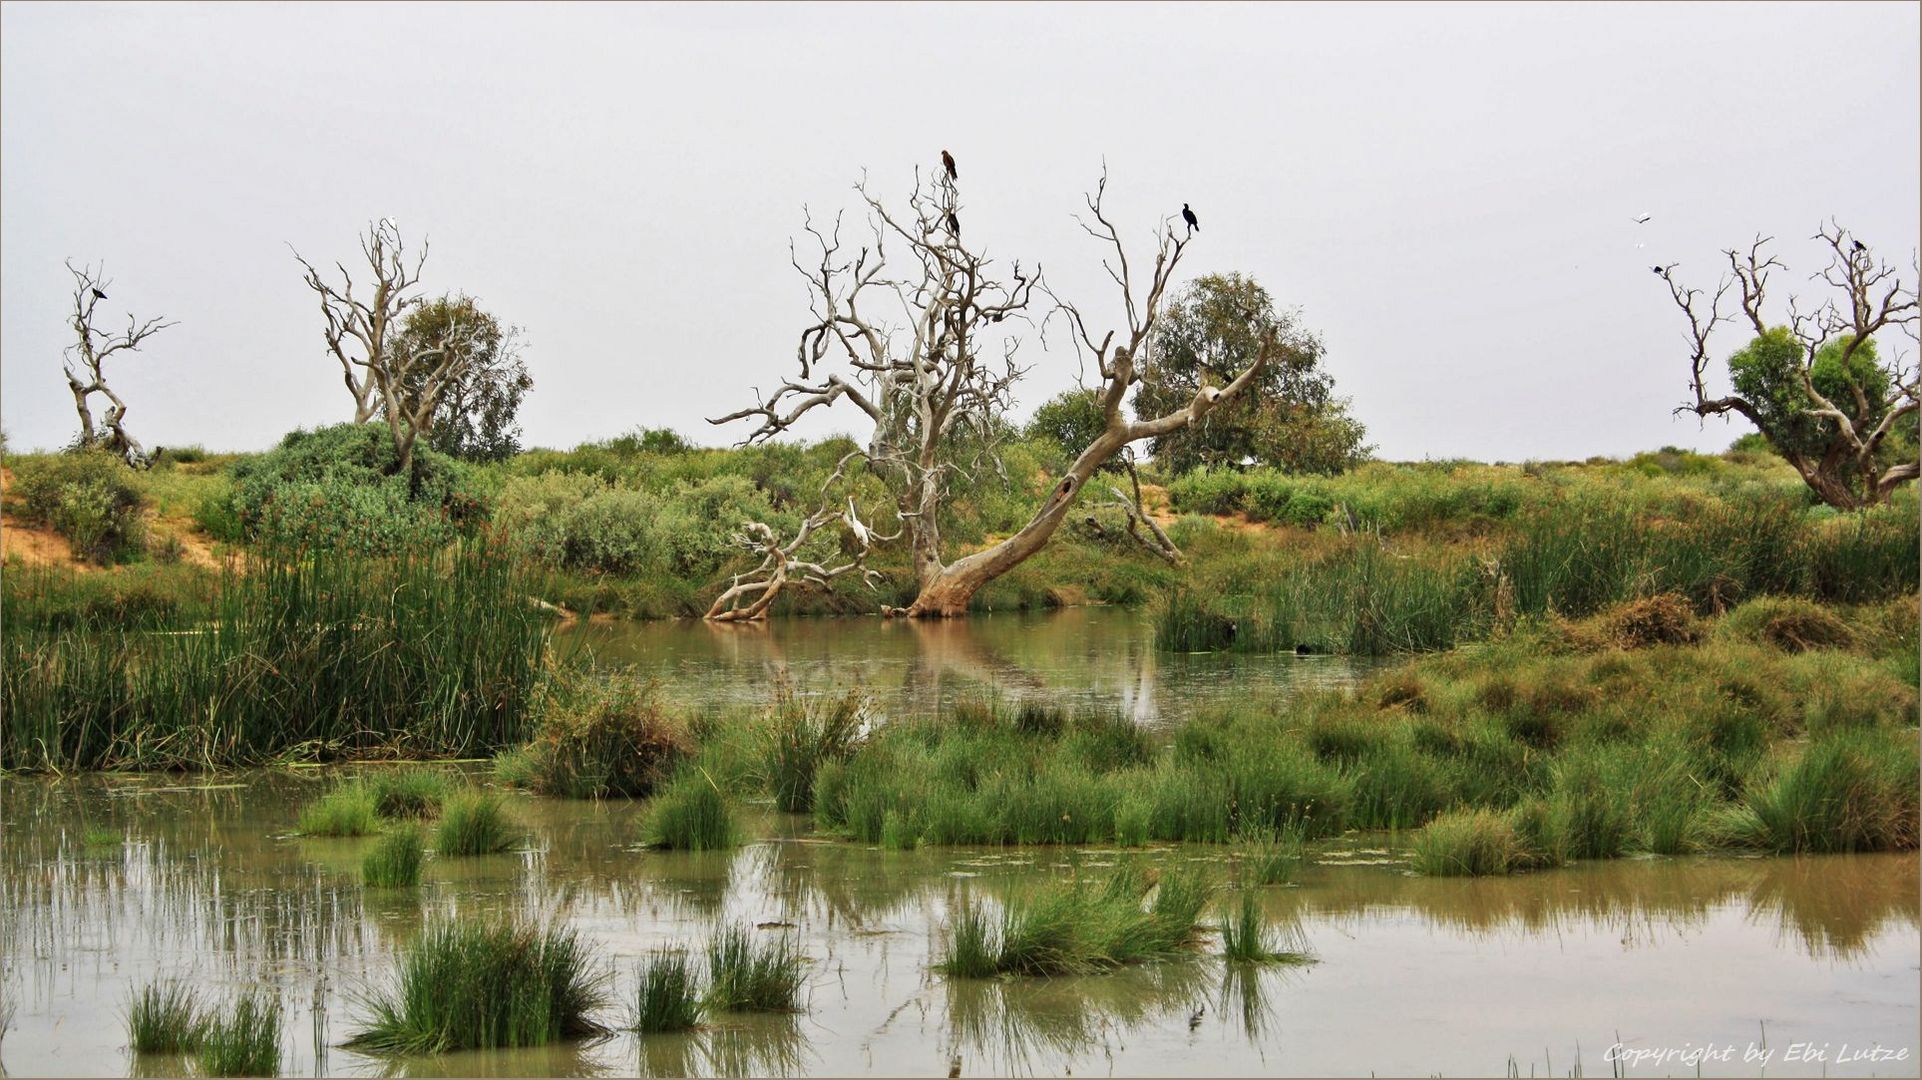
(206, 881)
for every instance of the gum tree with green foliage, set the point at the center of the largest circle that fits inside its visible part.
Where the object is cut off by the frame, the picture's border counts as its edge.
(474, 417)
(919, 331)
(1818, 387)
(1210, 332)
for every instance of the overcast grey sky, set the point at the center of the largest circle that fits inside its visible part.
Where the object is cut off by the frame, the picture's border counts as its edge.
(1444, 191)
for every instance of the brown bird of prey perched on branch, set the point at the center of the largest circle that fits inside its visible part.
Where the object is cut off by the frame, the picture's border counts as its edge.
(947, 162)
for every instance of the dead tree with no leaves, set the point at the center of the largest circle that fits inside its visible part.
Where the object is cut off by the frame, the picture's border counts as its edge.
(92, 347)
(928, 360)
(388, 378)
(1834, 439)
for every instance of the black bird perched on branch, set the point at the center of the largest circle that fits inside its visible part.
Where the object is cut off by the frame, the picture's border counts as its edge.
(954, 225)
(947, 162)
(98, 295)
(1188, 216)
(1655, 270)
(1859, 246)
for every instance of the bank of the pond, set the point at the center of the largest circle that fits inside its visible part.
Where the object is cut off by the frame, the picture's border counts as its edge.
(205, 885)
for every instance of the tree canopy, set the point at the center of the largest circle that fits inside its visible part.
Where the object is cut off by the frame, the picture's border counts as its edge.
(474, 418)
(1292, 420)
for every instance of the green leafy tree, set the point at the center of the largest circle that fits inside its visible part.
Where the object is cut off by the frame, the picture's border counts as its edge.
(1071, 420)
(1818, 389)
(1292, 420)
(474, 417)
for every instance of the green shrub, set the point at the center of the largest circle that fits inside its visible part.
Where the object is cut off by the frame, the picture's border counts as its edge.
(338, 488)
(467, 985)
(89, 497)
(595, 737)
(473, 823)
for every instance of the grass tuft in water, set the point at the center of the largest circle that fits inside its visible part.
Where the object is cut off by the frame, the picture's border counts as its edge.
(164, 1019)
(1245, 937)
(804, 734)
(1468, 843)
(394, 861)
(473, 985)
(668, 997)
(473, 823)
(243, 1039)
(413, 793)
(692, 815)
(1273, 857)
(1074, 927)
(348, 810)
(746, 976)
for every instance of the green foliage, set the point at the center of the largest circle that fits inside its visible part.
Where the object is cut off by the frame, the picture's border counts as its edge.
(474, 823)
(748, 976)
(1848, 791)
(596, 737)
(315, 658)
(475, 417)
(691, 814)
(580, 521)
(394, 860)
(88, 496)
(348, 810)
(164, 1018)
(1075, 927)
(1468, 843)
(1768, 373)
(1245, 937)
(410, 792)
(337, 489)
(473, 985)
(242, 1039)
(1070, 420)
(803, 734)
(1288, 418)
(667, 996)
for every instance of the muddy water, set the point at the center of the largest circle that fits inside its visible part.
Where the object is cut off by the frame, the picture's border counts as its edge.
(206, 882)
(1080, 656)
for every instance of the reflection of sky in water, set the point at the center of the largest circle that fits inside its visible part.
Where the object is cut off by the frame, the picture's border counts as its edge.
(1415, 975)
(1097, 656)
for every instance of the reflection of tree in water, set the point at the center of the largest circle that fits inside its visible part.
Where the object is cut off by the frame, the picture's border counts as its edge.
(576, 1057)
(1021, 1025)
(1833, 904)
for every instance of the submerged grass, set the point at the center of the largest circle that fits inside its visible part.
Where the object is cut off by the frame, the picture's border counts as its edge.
(744, 975)
(477, 985)
(394, 861)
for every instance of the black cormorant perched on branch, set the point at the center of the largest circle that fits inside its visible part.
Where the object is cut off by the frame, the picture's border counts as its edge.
(947, 162)
(1860, 246)
(954, 225)
(1188, 216)
(98, 295)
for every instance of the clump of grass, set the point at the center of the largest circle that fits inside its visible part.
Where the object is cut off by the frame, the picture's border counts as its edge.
(1076, 928)
(1788, 623)
(1663, 619)
(1272, 856)
(692, 815)
(164, 1019)
(1245, 937)
(242, 1040)
(746, 976)
(1849, 791)
(597, 737)
(805, 733)
(667, 997)
(411, 793)
(473, 823)
(899, 831)
(348, 810)
(102, 838)
(1468, 843)
(1133, 818)
(472, 985)
(394, 860)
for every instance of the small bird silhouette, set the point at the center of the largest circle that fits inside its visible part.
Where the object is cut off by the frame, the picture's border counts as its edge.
(98, 295)
(1655, 270)
(1860, 246)
(947, 162)
(1194, 1018)
(1187, 215)
(954, 225)
(1641, 219)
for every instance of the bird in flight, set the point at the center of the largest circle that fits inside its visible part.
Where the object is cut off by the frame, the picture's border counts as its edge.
(98, 295)
(947, 162)
(1187, 215)
(1642, 219)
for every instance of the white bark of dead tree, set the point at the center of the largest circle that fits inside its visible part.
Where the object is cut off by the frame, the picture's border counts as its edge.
(927, 358)
(91, 348)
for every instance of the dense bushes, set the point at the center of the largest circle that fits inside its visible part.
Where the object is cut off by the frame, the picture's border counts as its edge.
(582, 522)
(88, 496)
(338, 489)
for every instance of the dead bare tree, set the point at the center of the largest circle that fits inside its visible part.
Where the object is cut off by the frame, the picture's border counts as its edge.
(1814, 386)
(389, 379)
(935, 383)
(92, 346)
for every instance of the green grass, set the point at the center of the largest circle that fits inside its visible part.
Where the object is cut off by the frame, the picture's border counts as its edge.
(1849, 791)
(692, 815)
(1076, 927)
(243, 1039)
(597, 736)
(476, 985)
(803, 733)
(164, 1019)
(1246, 939)
(474, 823)
(667, 994)
(411, 792)
(394, 860)
(744, 975)
(348, 810)
(102, 838)
(1468, 843)
(1273, 857)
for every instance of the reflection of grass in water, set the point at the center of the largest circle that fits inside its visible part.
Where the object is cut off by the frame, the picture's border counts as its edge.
(1073, 927)
(769, 1046)
(1834, 906)
(102, 839)
(1011, 1024)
